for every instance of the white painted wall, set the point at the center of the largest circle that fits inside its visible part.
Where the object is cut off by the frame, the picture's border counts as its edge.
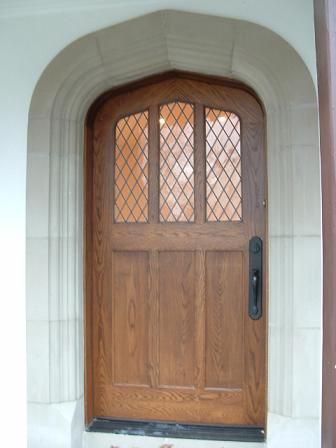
(31, 34)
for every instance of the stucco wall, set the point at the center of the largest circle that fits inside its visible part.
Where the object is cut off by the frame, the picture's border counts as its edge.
(31, 34)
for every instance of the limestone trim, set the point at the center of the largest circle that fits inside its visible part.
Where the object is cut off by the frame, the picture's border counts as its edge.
(158, 42)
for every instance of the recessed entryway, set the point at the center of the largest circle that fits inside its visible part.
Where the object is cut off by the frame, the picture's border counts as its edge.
(70, 84)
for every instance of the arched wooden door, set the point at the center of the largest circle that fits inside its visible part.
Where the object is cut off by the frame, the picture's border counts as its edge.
(175, 193)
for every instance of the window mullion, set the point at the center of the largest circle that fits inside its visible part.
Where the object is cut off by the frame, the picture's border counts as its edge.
(154, 163)
(200, 162)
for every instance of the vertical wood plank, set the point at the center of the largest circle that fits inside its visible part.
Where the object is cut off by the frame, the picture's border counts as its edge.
(177, 318)
(153, 321)
(254, 359)
(200, 301)
(325, 27)
(130, 328)
(88, 270)
(101, 271)
(224, 320)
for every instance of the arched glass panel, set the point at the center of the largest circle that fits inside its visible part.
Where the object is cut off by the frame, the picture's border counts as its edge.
(177, 162)
(223, 166)
(131, 169)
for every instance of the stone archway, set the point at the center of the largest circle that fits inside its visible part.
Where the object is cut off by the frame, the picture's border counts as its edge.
(80, 73)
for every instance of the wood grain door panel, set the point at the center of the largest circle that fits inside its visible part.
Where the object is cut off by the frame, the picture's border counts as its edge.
(177, 319)
(130, 311)
(224, 316)
(175, 187)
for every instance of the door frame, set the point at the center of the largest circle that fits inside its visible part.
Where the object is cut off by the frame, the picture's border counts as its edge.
(325, 30)
(56, 124)
(167, 430)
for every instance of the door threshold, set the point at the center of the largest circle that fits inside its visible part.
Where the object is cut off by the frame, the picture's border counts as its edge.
(223, 433)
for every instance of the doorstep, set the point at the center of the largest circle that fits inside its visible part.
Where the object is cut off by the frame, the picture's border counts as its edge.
(283, 433)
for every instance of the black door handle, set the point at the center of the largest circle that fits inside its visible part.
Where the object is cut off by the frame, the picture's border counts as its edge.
(255, 278)
(255, 284)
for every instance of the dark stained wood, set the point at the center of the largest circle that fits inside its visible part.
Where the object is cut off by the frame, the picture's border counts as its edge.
(325, 26)
(168, 333)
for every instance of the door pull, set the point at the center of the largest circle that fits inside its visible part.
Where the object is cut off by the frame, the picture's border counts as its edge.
(255, 278)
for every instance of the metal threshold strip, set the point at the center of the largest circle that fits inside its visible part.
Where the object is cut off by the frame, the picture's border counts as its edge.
(178, 430)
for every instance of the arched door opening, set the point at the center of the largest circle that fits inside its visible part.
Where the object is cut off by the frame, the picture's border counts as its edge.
(175, 305)
(82, 72)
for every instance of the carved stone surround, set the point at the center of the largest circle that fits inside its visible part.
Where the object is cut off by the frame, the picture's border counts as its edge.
(73, 80)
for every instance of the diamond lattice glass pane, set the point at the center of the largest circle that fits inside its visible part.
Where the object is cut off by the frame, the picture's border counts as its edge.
(223, 172)
(131, 169)
(177, 162)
